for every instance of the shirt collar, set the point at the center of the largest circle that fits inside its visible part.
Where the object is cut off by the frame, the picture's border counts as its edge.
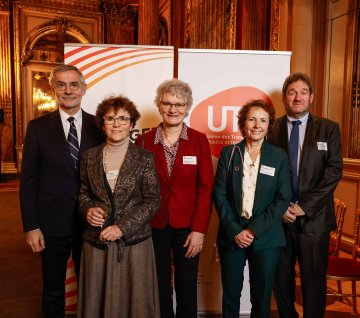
(64, 116)
(159, 134)
(302, 119)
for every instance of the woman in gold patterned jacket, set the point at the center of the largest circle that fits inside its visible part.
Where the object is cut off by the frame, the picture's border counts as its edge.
(119, 195)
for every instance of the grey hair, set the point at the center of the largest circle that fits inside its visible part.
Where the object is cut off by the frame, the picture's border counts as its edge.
(64, 68)
(176, 87)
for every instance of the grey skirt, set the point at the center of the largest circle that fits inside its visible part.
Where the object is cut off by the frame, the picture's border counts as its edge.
(109, 288)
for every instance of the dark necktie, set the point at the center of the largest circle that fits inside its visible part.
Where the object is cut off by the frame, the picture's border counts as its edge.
(73, 142)
(293, 156)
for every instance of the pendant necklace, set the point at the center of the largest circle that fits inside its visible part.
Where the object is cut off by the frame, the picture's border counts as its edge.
(167, 141)
(110, 174)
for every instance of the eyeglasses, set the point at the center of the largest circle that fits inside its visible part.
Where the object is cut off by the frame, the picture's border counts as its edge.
(61, 86)
(168, 105)
(110, 120)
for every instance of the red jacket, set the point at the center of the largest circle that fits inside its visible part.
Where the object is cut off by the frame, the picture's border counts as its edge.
(186, 195)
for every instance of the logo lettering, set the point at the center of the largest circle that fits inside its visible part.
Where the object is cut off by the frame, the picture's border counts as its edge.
(216, 115)
(233, 110)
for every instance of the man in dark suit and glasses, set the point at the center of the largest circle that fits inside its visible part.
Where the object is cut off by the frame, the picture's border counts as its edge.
(49, 183)
(314, 148)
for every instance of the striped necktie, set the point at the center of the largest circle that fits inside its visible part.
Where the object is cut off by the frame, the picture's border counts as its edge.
(73, 142)
(293, 156)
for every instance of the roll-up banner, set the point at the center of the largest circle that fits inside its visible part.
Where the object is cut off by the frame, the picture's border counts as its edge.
(133, 71)
(222, 81)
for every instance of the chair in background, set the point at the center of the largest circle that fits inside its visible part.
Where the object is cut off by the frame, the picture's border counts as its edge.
(335, 236)
(347, 269)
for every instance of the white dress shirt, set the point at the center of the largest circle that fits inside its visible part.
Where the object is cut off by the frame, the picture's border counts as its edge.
(250, 170)
(66, 124)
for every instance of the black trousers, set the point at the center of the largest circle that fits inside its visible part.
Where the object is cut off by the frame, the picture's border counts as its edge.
(311, 250)
(169, 242)
(54, 260)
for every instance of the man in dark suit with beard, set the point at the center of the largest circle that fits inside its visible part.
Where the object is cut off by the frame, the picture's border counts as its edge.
(314, 148)
(49, 183)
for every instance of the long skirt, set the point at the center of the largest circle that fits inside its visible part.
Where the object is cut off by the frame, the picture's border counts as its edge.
(126, 289)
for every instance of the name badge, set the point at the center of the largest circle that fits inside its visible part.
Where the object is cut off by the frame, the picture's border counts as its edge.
(270, 171)
(322, 145)
(112, 174)
(189, 160)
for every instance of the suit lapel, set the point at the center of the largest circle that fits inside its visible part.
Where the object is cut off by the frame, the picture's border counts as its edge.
(97, 170)
(309, 139)
(126, 166)
(131, 161)
(179, 158)
(261, 178)
(84, 144)
(60, 137)
(283, 134)
(236, 170)
(160, 156)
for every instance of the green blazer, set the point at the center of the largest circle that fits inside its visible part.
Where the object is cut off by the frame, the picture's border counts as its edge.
(272, 196)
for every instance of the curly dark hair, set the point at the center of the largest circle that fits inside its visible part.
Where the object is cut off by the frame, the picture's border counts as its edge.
(255, 103)
(115, 103)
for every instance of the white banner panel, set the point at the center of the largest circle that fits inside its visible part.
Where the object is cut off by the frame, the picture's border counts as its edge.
(223, 81)
(134, 71)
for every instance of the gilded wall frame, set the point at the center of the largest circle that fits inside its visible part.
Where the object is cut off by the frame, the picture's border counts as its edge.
(31, 23)
(274, 25)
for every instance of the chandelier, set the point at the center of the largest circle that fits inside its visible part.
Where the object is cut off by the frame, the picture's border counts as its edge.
(42, 101)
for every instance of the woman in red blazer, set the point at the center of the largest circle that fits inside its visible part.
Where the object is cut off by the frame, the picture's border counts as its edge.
(183, 160)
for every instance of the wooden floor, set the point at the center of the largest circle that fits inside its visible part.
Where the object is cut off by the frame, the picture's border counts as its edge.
(20, 275)
(336, 308)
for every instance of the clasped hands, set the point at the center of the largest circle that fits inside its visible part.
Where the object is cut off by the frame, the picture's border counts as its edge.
(244, 238)
(96, 217)
(293, 211)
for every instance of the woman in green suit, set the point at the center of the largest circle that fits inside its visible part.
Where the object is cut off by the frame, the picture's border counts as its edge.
(251, 193)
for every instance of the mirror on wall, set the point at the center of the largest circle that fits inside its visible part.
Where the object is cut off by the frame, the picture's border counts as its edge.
(45, 54)
(342, 102)
(42, 96)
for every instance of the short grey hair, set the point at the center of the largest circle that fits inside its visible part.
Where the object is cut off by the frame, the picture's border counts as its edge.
(64, 68)
(176, 87)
